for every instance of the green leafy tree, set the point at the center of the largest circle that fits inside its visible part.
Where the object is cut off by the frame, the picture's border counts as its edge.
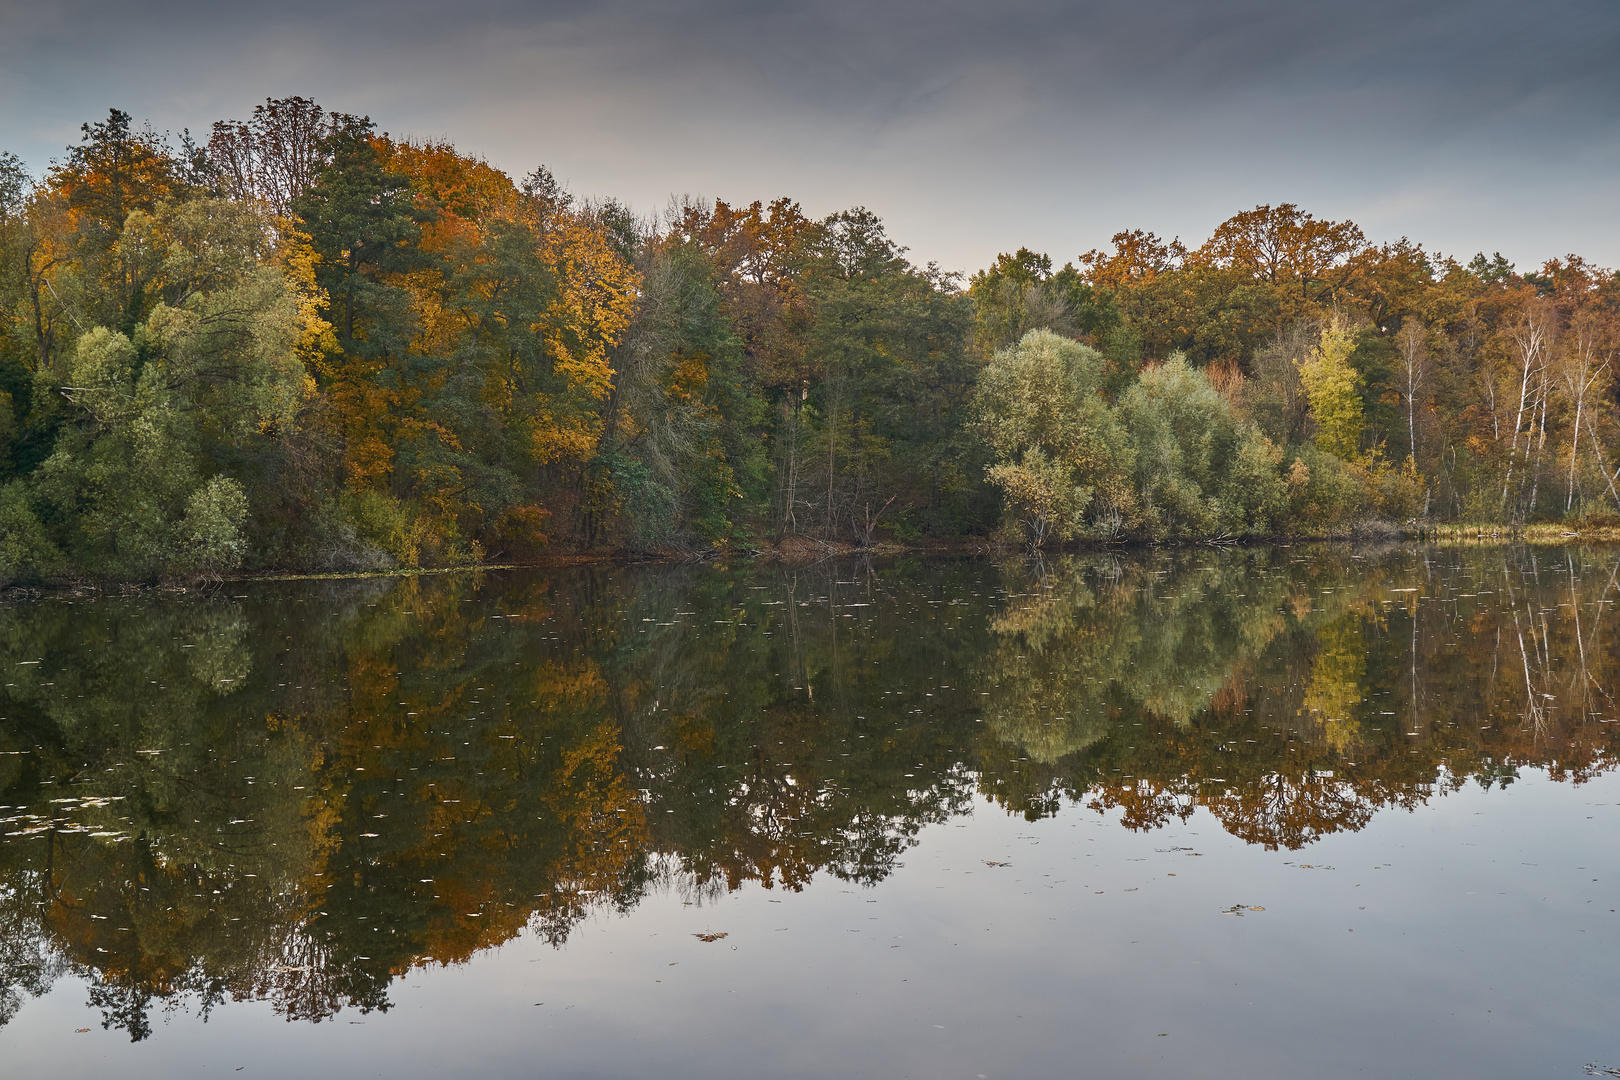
(1058, 448)
(1018, 294)
(1200, 470)
(132, 487)
(677, 393)
(364, 224)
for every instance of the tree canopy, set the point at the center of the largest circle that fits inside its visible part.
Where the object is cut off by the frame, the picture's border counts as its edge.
(308, 344)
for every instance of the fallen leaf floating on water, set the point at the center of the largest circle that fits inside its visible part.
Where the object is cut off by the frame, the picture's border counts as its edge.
(709, 937)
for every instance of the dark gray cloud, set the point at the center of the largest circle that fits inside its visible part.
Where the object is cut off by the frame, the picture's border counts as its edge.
(972, 128)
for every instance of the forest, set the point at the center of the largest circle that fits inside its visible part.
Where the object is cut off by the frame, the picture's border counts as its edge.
(302, 344)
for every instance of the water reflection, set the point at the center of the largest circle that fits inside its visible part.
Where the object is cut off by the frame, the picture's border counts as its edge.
(300, 794)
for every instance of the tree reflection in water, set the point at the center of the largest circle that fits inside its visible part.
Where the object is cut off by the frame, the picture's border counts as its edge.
(301, 794)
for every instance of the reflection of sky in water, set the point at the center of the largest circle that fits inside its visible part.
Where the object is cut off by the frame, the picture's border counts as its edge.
(1468, 937)
(1463, 961)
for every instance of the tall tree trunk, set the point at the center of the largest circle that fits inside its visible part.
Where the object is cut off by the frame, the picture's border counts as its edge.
(832, 442)
(790, 522)
(1574, 445)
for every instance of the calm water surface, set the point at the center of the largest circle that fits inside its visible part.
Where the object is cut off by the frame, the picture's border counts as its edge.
(1253, 813)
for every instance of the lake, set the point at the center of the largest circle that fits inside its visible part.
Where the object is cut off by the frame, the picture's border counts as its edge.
(1223, 812)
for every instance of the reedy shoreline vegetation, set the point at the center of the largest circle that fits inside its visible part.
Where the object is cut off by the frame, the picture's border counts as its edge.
(306, 345)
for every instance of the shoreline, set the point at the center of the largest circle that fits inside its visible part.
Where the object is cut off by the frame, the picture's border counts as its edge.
(803, 551)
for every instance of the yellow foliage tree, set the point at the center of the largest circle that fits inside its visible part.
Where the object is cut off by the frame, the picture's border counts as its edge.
(1333, 388)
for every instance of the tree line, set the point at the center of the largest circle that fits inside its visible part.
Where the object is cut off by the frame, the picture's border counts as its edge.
(302, 343)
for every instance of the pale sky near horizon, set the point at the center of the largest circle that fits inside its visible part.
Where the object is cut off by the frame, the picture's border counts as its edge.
(1466, 125)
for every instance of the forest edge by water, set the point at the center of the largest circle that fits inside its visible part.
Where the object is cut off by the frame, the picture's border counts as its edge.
(304, 345)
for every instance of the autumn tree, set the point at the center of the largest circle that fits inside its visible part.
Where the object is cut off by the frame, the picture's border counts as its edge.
(1138, 257)
(1331, 385)
(1283, 245)
(1412, 341)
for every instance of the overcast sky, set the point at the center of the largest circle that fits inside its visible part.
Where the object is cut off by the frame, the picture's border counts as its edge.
(971, 128)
